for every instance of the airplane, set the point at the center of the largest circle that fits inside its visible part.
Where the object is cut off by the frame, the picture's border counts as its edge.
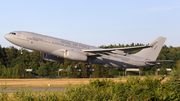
(56, 50)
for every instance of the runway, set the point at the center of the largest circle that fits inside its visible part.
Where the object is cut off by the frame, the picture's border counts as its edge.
(40, 85)
(34, 89)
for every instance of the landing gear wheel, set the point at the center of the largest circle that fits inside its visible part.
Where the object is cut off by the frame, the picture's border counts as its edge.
(87, 66)
(78, 70)
(91, 69)
(75, 66)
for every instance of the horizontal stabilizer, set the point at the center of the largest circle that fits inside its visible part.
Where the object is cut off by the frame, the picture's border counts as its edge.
(157, 62)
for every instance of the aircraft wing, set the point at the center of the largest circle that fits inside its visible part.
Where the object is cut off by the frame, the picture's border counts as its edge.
(111, 51)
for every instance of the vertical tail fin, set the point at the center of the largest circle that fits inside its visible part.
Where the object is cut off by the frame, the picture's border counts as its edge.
(153, 52)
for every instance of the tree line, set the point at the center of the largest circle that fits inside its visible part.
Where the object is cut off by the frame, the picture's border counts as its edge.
(13, 64)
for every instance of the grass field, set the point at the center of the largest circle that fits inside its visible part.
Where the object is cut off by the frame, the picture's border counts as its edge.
(53, 82)
(102, 89)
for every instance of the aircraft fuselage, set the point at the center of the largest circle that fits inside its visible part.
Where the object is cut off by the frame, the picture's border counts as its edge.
(57, 47)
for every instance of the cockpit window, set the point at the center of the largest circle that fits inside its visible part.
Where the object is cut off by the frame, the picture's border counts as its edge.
(12, 33)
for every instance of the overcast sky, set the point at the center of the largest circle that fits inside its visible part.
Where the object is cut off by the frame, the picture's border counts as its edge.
(93, 22)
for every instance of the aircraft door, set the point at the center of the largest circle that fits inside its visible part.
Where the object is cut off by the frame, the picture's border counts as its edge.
(49, 41)
(132, 59)
(23, 35)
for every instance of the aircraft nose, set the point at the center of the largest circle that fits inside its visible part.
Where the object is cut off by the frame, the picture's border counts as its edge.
(7, 36)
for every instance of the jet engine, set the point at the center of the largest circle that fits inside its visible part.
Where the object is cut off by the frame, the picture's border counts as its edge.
(73, 55)
(52, 58)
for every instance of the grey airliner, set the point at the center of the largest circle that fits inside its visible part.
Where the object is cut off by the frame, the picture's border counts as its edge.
(56, 50)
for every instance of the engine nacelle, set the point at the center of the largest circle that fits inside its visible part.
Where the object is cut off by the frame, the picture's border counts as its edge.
(73, 55)
(52, 58)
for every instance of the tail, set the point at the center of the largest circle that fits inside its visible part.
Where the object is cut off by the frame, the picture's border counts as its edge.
(153, 52)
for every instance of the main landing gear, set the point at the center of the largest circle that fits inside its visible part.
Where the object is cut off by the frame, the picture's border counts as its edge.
(88, 66)
(76, 67)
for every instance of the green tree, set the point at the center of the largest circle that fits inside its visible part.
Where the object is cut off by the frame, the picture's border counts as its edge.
(35, 56)
(96, 73)
(1, 56)
(49, 68)
(33, 65)
(16, 61)
(11, 53)
(69, 71)
(175, 74)
(84, 70)
(163, 71)
(42, 71)
(21, 69)
(15, 73)
(25, 56)
(114, 72)
(55, 66)
(3, 71)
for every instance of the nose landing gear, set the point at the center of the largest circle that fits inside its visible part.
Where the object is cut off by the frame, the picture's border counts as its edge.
(21, 49)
